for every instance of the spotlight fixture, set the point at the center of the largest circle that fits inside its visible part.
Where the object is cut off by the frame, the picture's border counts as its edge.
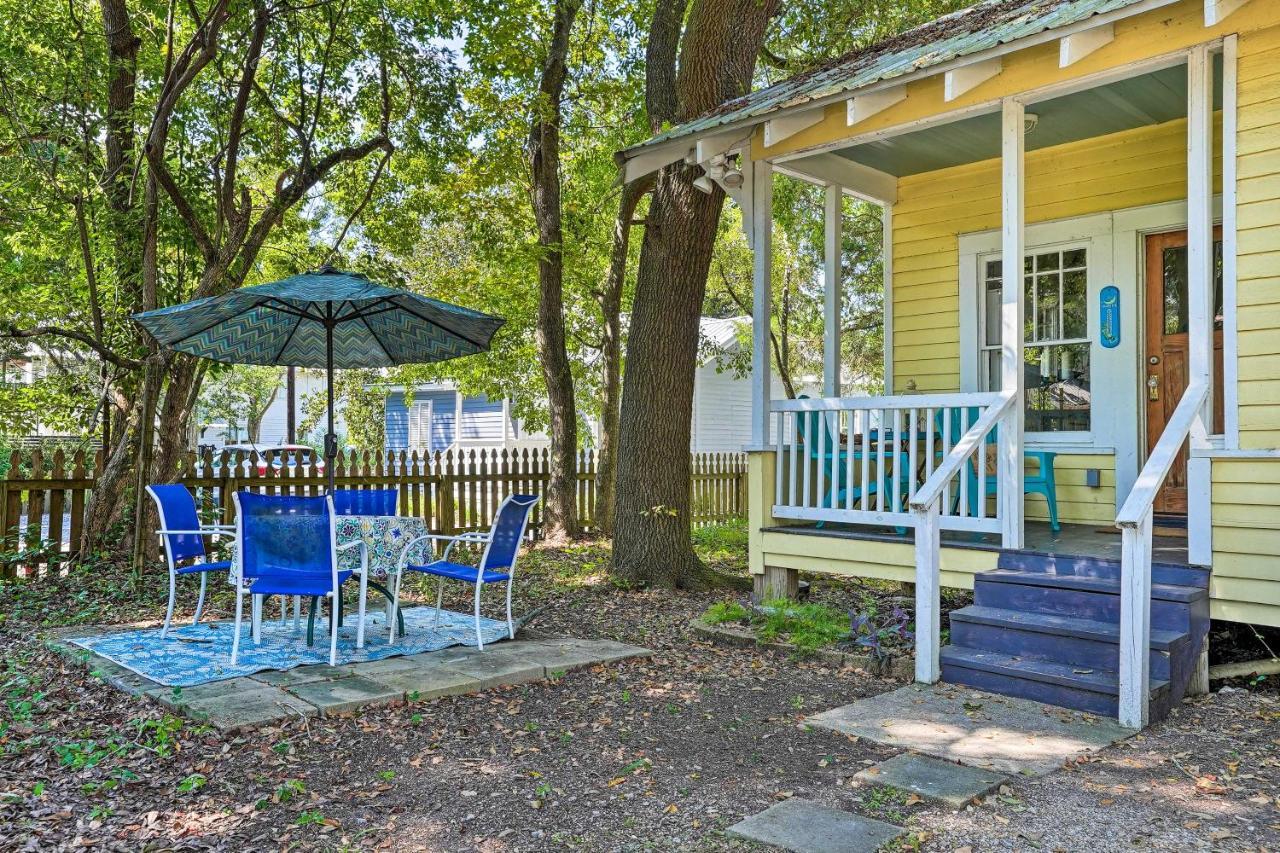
(704, 183)
(732, 180)
(1029, 122)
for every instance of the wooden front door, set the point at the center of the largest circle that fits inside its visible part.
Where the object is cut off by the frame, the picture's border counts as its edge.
(1167, 357)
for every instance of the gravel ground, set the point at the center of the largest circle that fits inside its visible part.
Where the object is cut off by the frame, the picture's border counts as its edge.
(656, 754)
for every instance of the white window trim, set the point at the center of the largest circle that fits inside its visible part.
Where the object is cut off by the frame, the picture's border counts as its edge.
(1089, 232)
(1058, 437)
(1125, 433)
(428, 426)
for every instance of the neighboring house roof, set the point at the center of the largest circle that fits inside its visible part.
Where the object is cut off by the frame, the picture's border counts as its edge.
(970, 31)
(722, 333)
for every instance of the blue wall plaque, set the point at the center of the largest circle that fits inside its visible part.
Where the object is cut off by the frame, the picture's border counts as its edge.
(1109, 316)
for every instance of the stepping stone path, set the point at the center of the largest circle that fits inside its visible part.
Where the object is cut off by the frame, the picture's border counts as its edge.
(951, 784)
(1002, 733)
(269, 697)
(802, 826)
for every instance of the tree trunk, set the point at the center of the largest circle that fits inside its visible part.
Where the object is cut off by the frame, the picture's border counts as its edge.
(107, 505)
(652, 525)
(611, 353)
(560, 518)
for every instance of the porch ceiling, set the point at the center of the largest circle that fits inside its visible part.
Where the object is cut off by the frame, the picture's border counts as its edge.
(1152, 98)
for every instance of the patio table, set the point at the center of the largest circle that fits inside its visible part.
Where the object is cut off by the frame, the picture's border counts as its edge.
(385, 538)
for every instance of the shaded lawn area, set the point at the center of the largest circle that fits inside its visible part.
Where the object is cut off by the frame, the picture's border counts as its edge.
(661, 753)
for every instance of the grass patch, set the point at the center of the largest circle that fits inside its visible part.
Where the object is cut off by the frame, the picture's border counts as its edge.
(723, 546)
(726, 611)
(808, 627)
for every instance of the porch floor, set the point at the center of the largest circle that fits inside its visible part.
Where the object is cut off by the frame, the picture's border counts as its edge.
(1077, 540)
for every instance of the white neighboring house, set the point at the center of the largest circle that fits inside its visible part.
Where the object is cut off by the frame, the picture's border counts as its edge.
(275, 421)
(721, 421)
(721, 397)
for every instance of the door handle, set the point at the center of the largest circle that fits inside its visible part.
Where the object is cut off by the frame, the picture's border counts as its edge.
(1153, 387)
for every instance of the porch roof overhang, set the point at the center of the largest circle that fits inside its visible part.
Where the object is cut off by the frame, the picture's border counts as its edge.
(966, 46)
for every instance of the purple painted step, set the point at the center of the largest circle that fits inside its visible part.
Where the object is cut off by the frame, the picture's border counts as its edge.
(1084, 597)
(1074, 566)
(1083, 643)
(1046, 627)
(1043, 681)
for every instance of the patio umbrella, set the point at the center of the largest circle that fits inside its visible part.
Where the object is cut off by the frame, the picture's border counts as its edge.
(324, 319)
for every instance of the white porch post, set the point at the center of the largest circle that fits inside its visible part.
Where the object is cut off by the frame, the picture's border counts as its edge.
(1010, 471)
(1200, 313)
(832, 229)
(762, 298)
(886, 265)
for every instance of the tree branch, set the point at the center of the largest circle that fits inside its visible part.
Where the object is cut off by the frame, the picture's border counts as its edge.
(368, 194)
(226, 198)
(107, 354)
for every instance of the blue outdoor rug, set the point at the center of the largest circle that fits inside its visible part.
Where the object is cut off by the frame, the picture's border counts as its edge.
(196, 654)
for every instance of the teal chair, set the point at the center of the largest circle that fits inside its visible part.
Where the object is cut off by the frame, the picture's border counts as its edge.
(1040, 483)
(826, 450)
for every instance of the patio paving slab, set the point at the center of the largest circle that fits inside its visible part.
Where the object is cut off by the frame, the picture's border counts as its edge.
(304, 674)
(269, 697)
(246, 708)
(345, 695)
(1002, 733)
(802, 826)
(427, 681)
(562, 655)
(954, 785)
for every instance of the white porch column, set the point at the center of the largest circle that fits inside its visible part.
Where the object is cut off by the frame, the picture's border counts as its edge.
(762, 298)
(886, 266)
(1200, 281)
(832, 230)
(1010, 472)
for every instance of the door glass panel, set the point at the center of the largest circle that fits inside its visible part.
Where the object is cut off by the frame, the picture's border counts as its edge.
(1175, 289)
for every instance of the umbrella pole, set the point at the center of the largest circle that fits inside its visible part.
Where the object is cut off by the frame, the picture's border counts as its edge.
(330, 439)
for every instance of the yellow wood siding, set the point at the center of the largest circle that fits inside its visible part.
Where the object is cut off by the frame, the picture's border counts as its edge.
(1258, 252)
(1245, 586)
(1129, 169)
(866, 559)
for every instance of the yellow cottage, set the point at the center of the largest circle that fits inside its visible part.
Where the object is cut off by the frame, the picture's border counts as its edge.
(1081, 418)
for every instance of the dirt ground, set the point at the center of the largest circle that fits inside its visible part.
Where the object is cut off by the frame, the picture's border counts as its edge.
(662, 754)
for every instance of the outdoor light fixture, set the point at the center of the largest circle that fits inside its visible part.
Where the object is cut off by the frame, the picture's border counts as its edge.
(732, 180)
(704, 183)
(1029, 122)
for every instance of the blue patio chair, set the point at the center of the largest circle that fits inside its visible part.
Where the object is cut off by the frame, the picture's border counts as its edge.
(288, 545)
(807, 426)
(1040, 483)
(182, 536)
(366, 501)
(498, 565)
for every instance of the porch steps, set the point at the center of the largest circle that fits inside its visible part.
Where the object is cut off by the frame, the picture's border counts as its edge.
(1046, 627)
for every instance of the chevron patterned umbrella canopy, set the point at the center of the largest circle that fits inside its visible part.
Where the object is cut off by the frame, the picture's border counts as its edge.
(288, 323)
(327, 319)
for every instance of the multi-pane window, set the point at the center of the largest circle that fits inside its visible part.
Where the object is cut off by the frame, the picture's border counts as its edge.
(1055, 334)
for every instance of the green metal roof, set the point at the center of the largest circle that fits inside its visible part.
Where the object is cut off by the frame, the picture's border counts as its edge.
(970, 31)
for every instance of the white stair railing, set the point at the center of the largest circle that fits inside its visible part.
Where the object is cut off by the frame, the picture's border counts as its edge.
(928, 504)
(858, 460)
(1134, 521)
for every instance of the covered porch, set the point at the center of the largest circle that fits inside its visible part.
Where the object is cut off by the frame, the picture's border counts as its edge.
(1020, 280)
